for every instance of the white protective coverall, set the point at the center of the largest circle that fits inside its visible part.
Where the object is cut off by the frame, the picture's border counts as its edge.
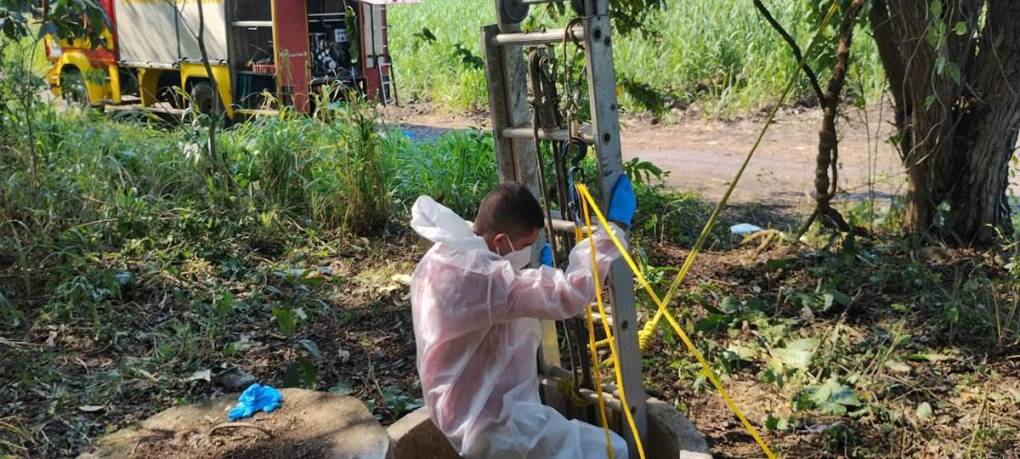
(476, 323)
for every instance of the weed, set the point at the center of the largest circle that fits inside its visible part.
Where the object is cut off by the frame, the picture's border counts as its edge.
(457, 170)
(666, 215)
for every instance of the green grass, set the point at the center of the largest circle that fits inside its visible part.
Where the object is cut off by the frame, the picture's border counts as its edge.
(717, 54)
(457, 169)
(27, 51)
(432, 71)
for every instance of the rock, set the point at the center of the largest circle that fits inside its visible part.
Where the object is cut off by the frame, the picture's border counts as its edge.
(308, 424)
(234, 379)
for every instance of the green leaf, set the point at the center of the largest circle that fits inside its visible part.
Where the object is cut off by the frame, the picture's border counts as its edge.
(797, 354)
(224, 304)
(929, 101)
(835, 297)
(309, 372)
(960, 28)
(285, 320)
(923, 411)
(900, 307)
(833, 397)
(712, 323)
(730, 305)
(312, 348)
(954, 72)
(932, 37)
(342, 388)
(773, 423)
(940, 65)
(744, 353)
(936, 8)
(927, 356)
(846, 396)
(953, 315)
(781, 263)
(832, 408)
(824, 392)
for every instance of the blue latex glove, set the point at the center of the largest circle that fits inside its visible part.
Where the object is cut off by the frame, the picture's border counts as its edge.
(546, 255)
(624, 203)
(254, 399)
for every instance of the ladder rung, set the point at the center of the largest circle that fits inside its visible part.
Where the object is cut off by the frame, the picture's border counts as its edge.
(559, 373)
(598, 316)
(559, 135)
(612, 402)
(564, 226)
(536, 38)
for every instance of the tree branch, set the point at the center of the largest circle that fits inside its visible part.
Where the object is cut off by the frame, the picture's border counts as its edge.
(797, 53)
(828, 142)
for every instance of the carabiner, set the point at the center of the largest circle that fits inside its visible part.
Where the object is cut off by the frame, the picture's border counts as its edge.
(574, 174)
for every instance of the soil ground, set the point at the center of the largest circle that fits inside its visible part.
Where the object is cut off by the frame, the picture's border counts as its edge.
(703, 155)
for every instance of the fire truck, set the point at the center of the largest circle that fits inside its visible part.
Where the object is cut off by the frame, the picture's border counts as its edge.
(262, 54)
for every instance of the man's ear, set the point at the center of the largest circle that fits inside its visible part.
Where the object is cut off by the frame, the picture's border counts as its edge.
(499, 241)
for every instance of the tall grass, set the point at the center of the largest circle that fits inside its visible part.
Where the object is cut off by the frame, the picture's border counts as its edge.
(457, 169)
(718, 54)
(79, 185)
(92, 185)
(433, 71)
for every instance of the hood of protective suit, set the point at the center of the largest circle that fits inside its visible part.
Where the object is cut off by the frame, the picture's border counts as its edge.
(476, 327)
(433, 221)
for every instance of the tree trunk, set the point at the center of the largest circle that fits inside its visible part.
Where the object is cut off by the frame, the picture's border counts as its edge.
(957, 110)
(989, 130)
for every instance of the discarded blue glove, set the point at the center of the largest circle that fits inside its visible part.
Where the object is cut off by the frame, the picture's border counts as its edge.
(254, 399)
(546, 256)
(624, 203)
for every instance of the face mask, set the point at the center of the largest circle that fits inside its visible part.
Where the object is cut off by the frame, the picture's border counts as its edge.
(519, 259)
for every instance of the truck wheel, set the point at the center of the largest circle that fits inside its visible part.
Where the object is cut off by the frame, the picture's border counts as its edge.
(204, 98)
(72, 87)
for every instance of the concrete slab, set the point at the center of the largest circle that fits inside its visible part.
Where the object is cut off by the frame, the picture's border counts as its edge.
(415, 436)
(670, 436)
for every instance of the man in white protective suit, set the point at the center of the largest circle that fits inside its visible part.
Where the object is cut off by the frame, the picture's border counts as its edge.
(476, 315)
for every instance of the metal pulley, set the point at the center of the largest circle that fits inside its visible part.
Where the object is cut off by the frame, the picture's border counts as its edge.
(515, 11)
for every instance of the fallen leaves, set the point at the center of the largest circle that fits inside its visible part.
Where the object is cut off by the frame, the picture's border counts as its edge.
(797, 354)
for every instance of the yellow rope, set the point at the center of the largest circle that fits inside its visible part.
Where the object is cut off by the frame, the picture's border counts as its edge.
(596, 369)
(706, 368)
(615, 356)
(647, 332)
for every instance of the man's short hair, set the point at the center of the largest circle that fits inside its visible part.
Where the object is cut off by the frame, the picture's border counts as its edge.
(510, 209)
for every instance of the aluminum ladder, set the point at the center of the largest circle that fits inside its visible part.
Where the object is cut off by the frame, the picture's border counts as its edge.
(504, 46)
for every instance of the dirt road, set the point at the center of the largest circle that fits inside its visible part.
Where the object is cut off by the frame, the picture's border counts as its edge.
(703, 155)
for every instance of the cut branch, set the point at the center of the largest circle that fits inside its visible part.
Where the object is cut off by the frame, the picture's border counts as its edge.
(794, 48)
